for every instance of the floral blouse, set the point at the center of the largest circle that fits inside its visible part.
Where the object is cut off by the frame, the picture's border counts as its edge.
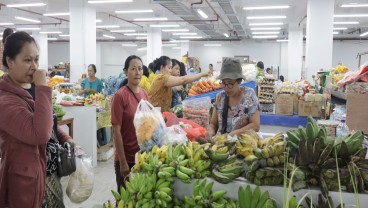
(238, 115)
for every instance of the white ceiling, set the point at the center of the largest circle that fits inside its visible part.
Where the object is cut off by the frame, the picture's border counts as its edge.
(232, 19)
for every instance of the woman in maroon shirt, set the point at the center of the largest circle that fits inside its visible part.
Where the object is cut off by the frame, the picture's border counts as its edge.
(124, 105)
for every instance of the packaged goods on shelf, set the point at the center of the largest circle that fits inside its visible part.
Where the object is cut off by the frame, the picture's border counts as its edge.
(266, 96)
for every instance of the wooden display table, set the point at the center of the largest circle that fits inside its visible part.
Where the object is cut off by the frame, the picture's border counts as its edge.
(69, 123)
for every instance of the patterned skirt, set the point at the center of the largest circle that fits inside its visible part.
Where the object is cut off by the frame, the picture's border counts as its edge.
(53, 193)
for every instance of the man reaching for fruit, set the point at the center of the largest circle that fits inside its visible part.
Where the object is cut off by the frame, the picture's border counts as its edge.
(236, 108)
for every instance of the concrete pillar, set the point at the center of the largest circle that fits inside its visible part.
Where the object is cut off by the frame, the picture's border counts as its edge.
(82, 38)
(295, 52)
(154, 44)
(319, 36)
(41, 40)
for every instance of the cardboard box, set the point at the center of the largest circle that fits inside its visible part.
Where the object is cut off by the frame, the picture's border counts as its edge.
(310, 108)
(357, 112)
(285, 104)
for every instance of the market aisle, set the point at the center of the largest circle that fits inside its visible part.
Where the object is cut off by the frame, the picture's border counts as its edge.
(103, 183)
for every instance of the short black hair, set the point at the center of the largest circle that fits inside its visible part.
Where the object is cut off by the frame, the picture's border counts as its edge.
(14, 44)
(145, 71)
(211, 65)
(260, 65)
(93, 67)
(282, 78)
(162, 61)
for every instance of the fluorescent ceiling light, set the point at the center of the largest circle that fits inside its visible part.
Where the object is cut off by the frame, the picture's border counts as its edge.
(27, 19)
(6, 23)
(282, 40)
(179, 41)
(28, 28)
(226, 35)
(142, 49)
(175, 30)
(266, 28)
(350, 15)
(266, 33)
(108, 1)
(267, 7)
(98, 20)
(50, 32)
(363, 34)
(141, 38)
(354, 5)
(184, 33)
(212, 45)
(164, 25)
(346, 23)
(107, 26)
(340, 28)
(176, 47)
(129, 45)
(134, 11)
(135, 34)
(108, 36)
(266, 24)
(65, 35)
(167, 45)
(335, 33)
(26, 5)
(151, 19)
(51, 38)
(191, 37)
(266, 17)
(203, 15)
(264, 36)
(122, 31)
(57, 14)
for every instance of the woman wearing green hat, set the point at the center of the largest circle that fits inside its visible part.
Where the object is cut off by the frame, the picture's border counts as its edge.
(238, 106)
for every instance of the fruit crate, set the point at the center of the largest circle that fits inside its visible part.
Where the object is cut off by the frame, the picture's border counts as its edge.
(267, 108)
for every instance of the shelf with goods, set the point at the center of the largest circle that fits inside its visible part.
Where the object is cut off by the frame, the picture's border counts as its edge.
(62, 69)
(266, 95)
(166, 176)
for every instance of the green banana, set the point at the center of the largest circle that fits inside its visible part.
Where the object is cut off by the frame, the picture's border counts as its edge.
(220, 177)
(182, 176)
(164, 184)
(292, 136)
(217, 205)
(184, 162)
(258, 152)
(248, 196)
(293, 202)
(310, 131)
(264, 197)
(208, 190)
(255, 197)
(177, 151)
(235, 170)
(167, 190)
(116, 195)
(218, 157)
(186, 170)
(302, 133)
(146, 167)
(164, 174)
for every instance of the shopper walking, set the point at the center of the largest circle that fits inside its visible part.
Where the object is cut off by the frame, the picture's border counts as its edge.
(25, 125)
(91, 84)
(236, 108)
(160, 93)
(124, 105)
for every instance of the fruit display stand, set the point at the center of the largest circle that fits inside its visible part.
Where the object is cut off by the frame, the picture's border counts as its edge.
(213, 94)
(276, 192)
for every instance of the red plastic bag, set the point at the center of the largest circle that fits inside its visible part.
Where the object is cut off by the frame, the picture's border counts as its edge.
(170, 119)
(195, 131)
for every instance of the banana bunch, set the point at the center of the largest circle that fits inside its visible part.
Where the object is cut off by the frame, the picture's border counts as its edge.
(203, 196)
(354, 143)
(311, 132)
(269, 141)
(160, 152)
(108, 204)
(219, 139)
(227, 171)
(266, 176)
(123, 199)
(217, 153)
(142, 157)
(254, 199)
(198, 159)
(246, 143)
(269, 156)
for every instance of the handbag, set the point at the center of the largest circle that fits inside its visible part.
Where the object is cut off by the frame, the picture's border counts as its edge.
(66, 160)
(224, 115)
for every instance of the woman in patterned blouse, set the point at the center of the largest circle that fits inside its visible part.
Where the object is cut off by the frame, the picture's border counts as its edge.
(241, 103)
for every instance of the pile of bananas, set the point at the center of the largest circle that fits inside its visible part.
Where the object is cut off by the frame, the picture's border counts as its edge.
(228, 170)
(266, 176)
(311, 132)
(160, 152)
(147, 190)
(246, 143)
(203, 196)
(254, 199)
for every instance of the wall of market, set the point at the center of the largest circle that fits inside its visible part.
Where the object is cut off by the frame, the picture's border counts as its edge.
(111, 56)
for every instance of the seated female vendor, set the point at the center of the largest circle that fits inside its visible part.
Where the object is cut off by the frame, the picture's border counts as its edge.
(236, 105)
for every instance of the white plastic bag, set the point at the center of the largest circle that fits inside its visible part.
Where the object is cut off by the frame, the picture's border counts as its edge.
(80, 184)
(149, 126)
(174, 135)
